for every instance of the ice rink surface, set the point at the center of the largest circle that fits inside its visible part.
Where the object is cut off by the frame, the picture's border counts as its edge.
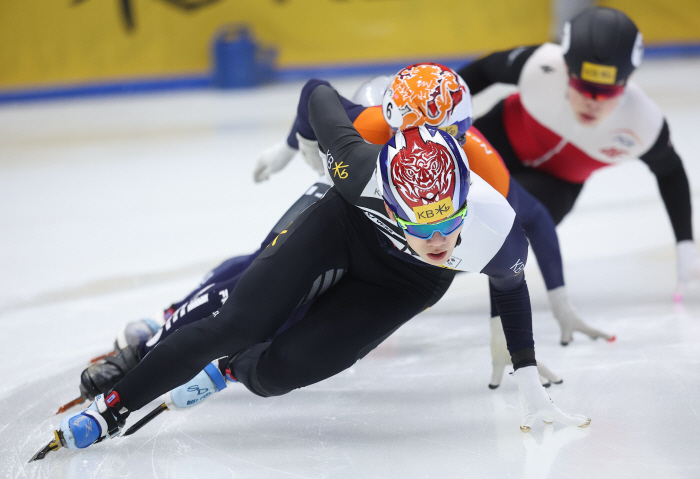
(113, 208)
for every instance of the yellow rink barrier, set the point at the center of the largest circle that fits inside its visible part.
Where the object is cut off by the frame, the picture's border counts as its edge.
(55, 43)
(62, 41)
(661, 21)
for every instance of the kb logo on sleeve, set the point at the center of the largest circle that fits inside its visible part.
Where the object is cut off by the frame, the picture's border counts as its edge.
(339, 170)
(518, 266)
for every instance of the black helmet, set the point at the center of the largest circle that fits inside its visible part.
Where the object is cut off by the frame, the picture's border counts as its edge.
(602, 45)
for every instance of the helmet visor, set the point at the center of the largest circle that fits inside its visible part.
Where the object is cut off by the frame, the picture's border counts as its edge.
(427, 230)
(595, 91)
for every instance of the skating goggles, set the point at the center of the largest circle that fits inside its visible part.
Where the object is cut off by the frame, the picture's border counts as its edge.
(427, 230)
(594, 91)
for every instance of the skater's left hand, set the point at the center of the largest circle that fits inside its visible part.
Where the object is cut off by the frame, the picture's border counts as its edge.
(538, 404)
(688, 267)
(272, 160)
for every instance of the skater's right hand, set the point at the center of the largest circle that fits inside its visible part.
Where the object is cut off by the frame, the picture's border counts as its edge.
(568, 318)
(272, 160)
(537, 404)
(500, 358)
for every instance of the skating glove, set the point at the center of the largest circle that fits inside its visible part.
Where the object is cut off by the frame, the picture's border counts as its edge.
(536, 403)
(272, 160)
(310, 152)
(500, 358)
(568, 318)
(688, 266)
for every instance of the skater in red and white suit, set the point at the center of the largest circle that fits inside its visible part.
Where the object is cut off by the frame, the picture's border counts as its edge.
(575, 112)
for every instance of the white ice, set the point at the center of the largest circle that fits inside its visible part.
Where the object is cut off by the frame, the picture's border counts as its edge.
(112, 208)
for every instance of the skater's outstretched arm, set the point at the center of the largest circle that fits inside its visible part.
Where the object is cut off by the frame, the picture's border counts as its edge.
(512, 303)
(667, 166)
(303, 139)
(350, 161)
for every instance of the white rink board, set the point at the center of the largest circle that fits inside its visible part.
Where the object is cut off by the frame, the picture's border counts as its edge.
(112, 208)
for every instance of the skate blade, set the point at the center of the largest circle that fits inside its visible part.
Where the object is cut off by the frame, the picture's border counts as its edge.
(146, 419)
(69, 405)
(57, 443)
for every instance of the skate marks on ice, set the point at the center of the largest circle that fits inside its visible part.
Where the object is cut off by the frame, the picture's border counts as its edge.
(418, 406)
(404, 411)
(28, 422)
(111, 285)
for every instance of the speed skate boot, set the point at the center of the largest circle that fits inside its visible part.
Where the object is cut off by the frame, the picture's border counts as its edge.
(100, 378)
(103, 419)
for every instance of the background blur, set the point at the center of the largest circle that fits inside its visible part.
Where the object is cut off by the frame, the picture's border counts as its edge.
(68, 47)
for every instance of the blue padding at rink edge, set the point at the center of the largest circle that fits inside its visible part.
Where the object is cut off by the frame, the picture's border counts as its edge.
(112, 88)
(672, 51)
(287, 74)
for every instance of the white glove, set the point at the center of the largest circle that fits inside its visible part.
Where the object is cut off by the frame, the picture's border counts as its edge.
(568, 318)
(537, 404)
(500, 358)
(311, 154)
(272, 160)
(688, 266)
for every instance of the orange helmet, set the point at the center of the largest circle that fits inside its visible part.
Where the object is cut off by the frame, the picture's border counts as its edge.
(428, 94)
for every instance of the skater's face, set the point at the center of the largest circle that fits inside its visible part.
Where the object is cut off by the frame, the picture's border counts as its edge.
(592, 107)
(588, 111)
(435, 250)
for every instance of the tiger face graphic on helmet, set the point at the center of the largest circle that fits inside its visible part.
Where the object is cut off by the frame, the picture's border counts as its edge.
(424, 173)
(427, 94)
